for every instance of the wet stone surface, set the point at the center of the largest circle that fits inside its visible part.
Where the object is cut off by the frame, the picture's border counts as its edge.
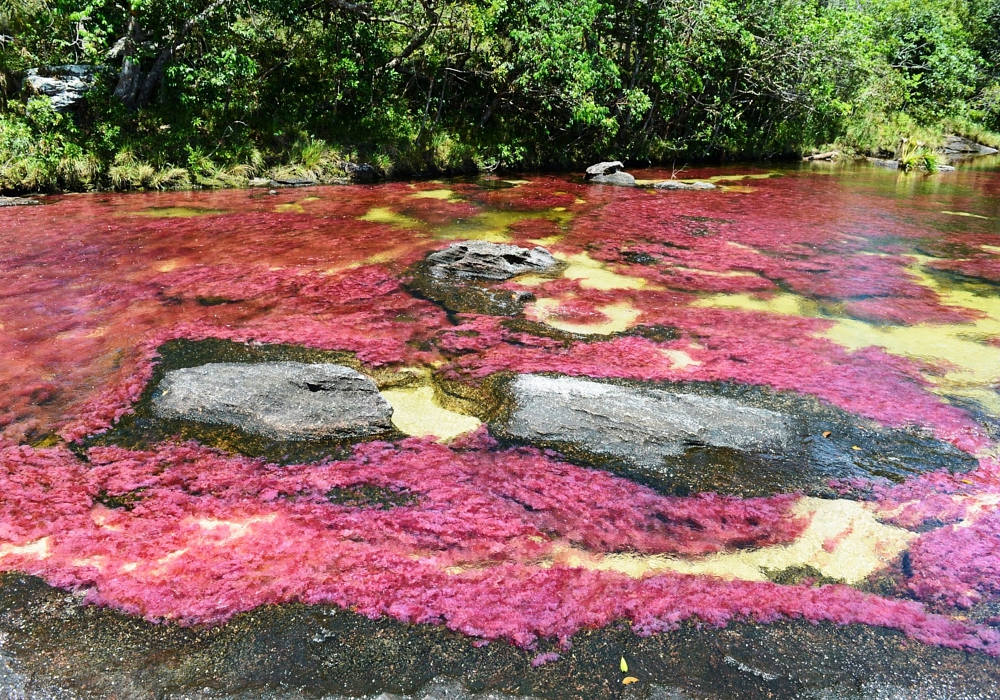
(56, 648)
(493, 261)
(680, 185)
(145, 427)
(463, 276)
(729, 439)
(280, 400)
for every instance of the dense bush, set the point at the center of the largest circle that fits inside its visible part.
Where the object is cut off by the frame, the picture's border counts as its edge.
(224, 90)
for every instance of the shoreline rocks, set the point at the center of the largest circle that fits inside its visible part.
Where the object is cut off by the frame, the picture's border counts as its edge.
(17, 202)
(288, 401)
(65, 85)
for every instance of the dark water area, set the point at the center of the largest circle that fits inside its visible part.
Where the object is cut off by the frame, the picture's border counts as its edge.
(739, 442)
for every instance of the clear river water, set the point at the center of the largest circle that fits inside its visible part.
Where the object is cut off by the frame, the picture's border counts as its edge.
(472, 549)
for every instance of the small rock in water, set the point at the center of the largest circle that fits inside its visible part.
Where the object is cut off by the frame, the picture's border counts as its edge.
(881, 163)
(680, 185)
(493, 261)
(959, 146)
(729, 439)
(17, 201)
(609, 173)
(461, 277)
(278, 400)
(641, 425)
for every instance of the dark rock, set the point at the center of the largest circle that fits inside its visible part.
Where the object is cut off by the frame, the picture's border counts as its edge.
(493, 261)
(292, 182)
(17, 201)
(64, 85)
(958, 146)
(680, 185)
(461, 277)
(609, 173)
(279, 400)
(361, 172)
(705, 437)
(879, 162)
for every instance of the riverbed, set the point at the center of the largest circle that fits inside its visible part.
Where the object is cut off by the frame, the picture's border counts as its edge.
(845, 544)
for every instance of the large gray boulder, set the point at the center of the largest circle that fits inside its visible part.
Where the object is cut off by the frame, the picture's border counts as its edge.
(681, 185)
(279, 400)
(640, 425)
(489, 261)
(726, 438)
(609, 173)
(64, 85)
(959, 146)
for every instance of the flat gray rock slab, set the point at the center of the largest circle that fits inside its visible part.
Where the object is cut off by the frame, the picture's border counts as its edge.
(604, 168)
(620, 178)
(642, 426)
(279, 400)
(679, 185)
(488, 261)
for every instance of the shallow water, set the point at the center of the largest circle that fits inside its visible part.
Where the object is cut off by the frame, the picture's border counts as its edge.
(864, 303)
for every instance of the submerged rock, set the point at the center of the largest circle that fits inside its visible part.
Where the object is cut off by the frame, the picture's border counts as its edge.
(493, 261)
(882, 163)
(609, 173)
(680, 185)
(461, 277)
(64, 85)
(712, 438)
(278, 400)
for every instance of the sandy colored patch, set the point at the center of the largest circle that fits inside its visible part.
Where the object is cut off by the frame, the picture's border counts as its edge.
(965, 213)
(290, 208)
(416, 412)
(38, 549)
(593, 274)
(679, 359)
(843, 541)
(433, 194)
(169, 265)
(235, 528)
(713, 273)
(547, 241)
(991, 249)
(621, 316)
(784, 303)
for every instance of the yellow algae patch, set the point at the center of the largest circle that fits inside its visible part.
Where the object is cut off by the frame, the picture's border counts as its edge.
(971, 366)
(734, 178)
(433, 194)
(593, 274)
(291, 207)
(843, 541)
(384, 215)
(991, 249)
(38, 549)
(965, 213)
(518, 182)
(547, 241)
(784, 303)
(416, 412)
(621, 316)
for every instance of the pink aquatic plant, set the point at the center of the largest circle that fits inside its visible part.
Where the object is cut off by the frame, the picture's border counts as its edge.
(205, 536)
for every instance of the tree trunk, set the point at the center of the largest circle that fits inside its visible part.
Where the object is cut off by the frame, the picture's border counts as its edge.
(128, 79)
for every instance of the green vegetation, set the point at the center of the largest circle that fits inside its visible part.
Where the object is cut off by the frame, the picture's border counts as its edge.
(214, 92)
